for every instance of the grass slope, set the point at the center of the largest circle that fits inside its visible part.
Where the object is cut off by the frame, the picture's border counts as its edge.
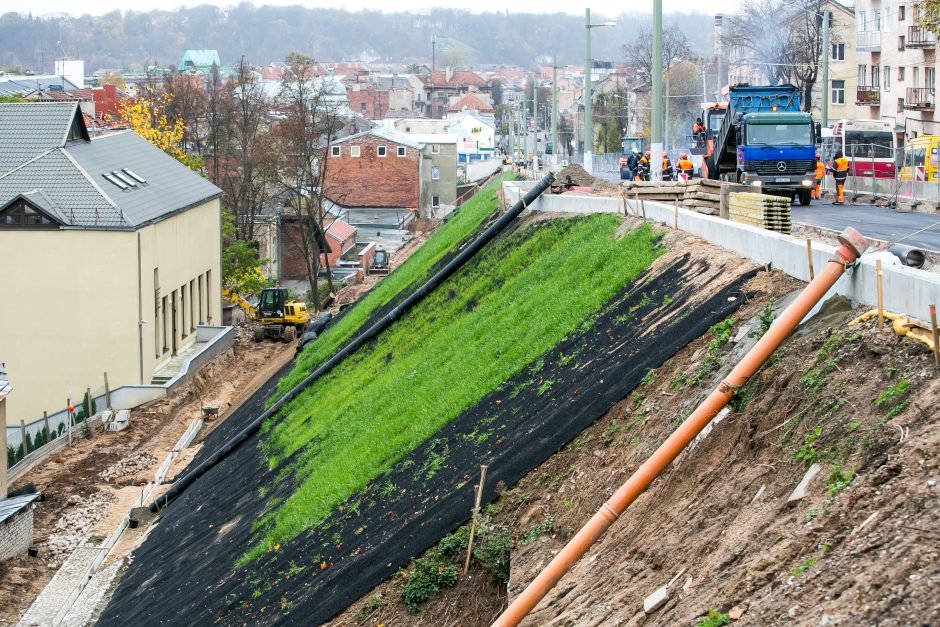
(471, 215)
(516, 301)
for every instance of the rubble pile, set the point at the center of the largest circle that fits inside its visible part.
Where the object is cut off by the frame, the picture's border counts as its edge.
(75, 525)
(128, 467)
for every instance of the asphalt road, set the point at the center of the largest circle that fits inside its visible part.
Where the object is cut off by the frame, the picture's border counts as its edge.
(876, 222)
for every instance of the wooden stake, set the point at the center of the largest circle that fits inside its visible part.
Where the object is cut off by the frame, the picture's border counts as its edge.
(936, 337)
(23, 437)
(881, 312)
(45, 420)
(809, 255)
(107, 391)
(675, 216)
(473, 523)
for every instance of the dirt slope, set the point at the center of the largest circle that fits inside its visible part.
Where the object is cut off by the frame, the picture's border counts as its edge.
(861, 548)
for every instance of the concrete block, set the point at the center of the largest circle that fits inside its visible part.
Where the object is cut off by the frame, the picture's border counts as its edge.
(656, 600)
(800, 490)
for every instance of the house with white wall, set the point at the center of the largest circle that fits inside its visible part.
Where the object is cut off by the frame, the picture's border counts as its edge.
(111, 257)
(476, 135)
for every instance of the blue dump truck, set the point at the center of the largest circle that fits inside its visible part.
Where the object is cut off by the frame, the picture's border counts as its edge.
(766, 141)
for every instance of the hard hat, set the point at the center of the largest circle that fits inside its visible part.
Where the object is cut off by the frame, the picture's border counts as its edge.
(635, 151)
(665, 154)
(818, 156)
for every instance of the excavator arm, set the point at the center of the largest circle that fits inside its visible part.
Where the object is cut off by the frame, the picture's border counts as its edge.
(232, 297)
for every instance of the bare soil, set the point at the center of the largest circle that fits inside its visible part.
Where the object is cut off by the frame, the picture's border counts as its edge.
(89, 487)
(717, 524)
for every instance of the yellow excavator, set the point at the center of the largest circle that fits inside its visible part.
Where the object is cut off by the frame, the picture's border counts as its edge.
(281, 318)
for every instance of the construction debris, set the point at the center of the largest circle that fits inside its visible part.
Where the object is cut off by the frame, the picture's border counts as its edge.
(799, 492)
(656, 600)
(761, 210)
(580, 177)
(75, 525)
(128, 467)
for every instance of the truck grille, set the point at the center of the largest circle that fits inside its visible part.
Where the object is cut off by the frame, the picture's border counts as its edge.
(772, 167)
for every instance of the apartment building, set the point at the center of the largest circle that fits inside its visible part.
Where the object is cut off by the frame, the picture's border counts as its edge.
(896, 59)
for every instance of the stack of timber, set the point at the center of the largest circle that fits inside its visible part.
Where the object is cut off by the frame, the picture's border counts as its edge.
(702, 195)
(768, 212)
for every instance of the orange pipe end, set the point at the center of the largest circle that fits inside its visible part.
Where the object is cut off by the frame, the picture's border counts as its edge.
(852, 244)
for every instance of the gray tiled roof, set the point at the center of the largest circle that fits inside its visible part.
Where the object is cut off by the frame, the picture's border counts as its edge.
(11, 506)
(27, 129)
(21, 85)
(65, 179)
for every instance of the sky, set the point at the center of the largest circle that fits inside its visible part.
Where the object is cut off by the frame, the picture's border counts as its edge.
(98, 7)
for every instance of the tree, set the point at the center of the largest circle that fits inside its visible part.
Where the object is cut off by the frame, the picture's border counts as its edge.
(240, 260)
(496, 91)
(302, 148)
(148, 118)
(639, 54)
(929, 17)
(782, 38)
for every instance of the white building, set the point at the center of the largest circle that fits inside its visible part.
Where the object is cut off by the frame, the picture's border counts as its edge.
(897, 63)
(476, 135)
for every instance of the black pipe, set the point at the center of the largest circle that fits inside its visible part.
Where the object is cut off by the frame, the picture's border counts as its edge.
(445, 273)
(909, 256)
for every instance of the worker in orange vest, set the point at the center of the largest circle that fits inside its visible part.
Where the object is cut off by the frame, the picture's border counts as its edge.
(667, 167)
(643, 168)
(840, 171)
(820, 173)
(698, 132)
(686, 167)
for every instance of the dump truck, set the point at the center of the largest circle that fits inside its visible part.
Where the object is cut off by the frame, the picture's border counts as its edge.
(766, 141)
(281, 317)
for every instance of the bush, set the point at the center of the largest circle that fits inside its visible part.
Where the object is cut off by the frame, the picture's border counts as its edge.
(432, 573)
(492, 547)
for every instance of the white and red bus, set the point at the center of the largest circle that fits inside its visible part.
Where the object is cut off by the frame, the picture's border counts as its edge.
(867, 144)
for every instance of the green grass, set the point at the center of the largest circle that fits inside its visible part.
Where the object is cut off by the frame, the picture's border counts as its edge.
(532, 290)
(471, 215)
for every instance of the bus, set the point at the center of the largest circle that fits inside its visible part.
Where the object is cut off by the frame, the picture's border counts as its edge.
(867, 144)
(920, 160)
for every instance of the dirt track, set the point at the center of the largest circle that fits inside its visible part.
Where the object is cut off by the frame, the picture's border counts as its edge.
(89, 487)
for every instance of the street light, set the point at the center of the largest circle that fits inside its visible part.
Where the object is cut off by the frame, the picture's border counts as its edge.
(588, 114)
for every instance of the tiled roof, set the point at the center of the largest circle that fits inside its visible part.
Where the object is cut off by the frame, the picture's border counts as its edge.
(27, 129)
(66, 179)
(12, 506)
(470, 101)
(340, 231)
(16, 85)
(383, 134)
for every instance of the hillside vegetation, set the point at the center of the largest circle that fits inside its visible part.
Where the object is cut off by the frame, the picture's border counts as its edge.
(507, 307)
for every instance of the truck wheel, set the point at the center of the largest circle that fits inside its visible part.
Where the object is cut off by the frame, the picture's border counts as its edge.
(290, 334)
(806, 197)
(257, 336)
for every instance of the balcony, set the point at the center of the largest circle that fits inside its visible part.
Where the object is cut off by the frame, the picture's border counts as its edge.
(920, 99)
(870, 96)
(869, 41)
(920, 37)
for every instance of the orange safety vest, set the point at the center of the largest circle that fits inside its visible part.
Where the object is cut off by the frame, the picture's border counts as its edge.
(685, 165)
(842, 164)
(820, 169)
(698, 128)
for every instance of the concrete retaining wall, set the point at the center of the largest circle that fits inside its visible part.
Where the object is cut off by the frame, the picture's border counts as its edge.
(906, 290)
(16, 534)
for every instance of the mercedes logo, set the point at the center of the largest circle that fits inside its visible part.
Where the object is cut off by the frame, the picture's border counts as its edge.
(781, 166)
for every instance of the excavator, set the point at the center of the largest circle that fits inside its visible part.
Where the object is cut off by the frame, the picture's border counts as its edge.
(281, 317)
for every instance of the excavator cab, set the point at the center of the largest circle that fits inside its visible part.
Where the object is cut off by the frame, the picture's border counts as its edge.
(281, 318)
(272, 302)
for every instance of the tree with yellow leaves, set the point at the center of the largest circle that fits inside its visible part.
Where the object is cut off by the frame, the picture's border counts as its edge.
(147, 117)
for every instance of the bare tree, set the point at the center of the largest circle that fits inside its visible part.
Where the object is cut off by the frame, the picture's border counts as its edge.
(781, 37)
(187, 103)
(639, 54)
(303, 140)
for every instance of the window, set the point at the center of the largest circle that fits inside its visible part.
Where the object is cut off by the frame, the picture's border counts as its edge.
(435, 201)
(192, 307)
(838, 52)
(900, 72)
(875, 77)
(900, 105)
(23, 214)
(362, 107)
(208, 297)
(901, 13)
(916, 77)
(930, 79)
(354, 151)
(435, 149)
(877, 17)
(435, 173)
(163, 319)
(183, 326)
(199, 282)
(402, 151)
(901, 42)
(381, 151)
(862, 74)
(336, 151)
(838, 92)
(887, 75)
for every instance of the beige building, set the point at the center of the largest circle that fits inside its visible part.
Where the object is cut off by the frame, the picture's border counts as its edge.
(5, 389)
(111, 256)
(897, 66)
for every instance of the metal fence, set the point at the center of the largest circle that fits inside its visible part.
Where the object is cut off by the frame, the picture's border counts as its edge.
(906, 184)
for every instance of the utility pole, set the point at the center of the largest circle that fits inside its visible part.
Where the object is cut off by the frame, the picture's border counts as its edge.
(719, 20)
(535, 120)
(512, 138)
(588, 114)
(433, 50)
(555, 109)
(656, 126)
(825, 68)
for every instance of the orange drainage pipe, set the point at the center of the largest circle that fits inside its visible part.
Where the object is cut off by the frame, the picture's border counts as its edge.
(852, 245)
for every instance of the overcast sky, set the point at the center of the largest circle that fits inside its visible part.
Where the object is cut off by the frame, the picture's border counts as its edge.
(97, 7)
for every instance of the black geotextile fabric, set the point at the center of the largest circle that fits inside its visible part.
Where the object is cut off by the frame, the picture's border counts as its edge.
(184, 572)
